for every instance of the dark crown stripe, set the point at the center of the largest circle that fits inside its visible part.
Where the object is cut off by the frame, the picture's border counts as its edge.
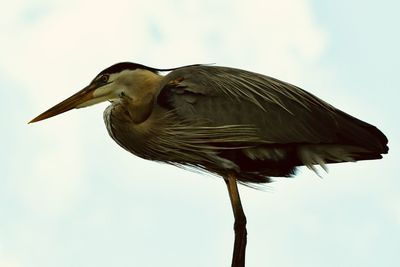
(132, 66)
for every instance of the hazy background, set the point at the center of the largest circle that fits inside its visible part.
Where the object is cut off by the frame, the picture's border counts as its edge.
(70, 196)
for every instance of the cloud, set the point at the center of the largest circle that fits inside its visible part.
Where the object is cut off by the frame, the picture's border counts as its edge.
(54, 49)
(69, 43)
(74, 41)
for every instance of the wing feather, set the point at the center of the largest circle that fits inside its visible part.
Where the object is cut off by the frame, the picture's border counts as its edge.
(280, 112)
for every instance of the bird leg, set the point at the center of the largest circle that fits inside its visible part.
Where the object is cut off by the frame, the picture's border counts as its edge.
(239, 249)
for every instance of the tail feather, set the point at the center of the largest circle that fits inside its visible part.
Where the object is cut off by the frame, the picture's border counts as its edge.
(355, 132)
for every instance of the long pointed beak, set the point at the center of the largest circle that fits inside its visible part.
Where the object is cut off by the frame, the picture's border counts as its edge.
(72, 102)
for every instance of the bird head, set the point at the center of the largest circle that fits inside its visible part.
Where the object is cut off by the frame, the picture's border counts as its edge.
(109, 85)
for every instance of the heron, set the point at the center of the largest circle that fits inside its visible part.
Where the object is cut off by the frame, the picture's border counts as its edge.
(242, 126)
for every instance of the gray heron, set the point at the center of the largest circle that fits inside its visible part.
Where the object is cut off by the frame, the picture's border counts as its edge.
(243, 126)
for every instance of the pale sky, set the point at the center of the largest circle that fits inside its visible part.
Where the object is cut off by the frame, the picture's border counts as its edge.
(70, 196)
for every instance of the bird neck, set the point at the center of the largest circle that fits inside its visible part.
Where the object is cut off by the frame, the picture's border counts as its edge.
(145, 81)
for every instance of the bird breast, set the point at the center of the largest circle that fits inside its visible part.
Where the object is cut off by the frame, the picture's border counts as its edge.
(131, 123)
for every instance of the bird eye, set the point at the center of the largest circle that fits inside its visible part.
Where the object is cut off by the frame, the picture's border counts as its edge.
(103, 78)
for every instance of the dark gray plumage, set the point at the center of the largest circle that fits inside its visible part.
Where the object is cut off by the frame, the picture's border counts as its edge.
(224, 119)
(243, 126)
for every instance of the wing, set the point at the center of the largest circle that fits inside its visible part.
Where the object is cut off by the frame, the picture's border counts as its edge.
(280, 113)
